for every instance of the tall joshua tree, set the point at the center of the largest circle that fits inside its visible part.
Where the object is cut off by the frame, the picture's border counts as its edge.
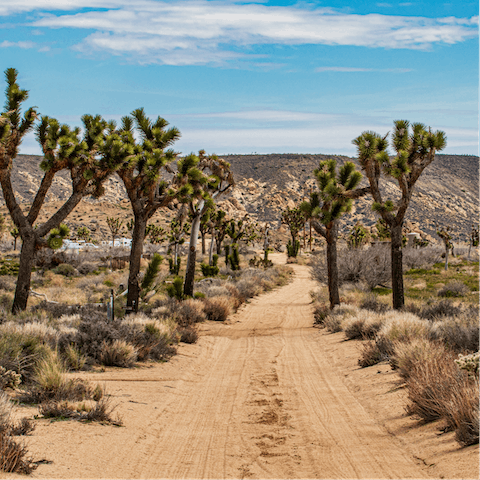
(294, 218)
(141, 174)
(415, 147)
(90, 160)
(336, 191)
(202, 179)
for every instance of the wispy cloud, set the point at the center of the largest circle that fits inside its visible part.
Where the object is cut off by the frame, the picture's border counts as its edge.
(7, 44)
(200, 32)
(355, 70)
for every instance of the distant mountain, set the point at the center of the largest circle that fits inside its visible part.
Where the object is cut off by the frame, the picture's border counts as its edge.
(446, 193)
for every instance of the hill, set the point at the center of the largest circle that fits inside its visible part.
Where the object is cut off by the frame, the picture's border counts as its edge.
(446, 193)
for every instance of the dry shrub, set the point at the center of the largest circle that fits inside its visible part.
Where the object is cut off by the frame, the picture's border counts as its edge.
(453, 289)
(333, 323)
(187, 312)
(370, 354)
(373, 304)
(118, 353)
(460, 334)
(13, 456)
(403, 326)
(74, 360)
(444, 308)
(100, 411)
(320, 313)
(430, 386)
(217, 308)
(248, 287)
(421, 257)
(417, 351)
(188, 334)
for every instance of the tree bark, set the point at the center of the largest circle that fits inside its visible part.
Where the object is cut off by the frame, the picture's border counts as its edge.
(397, 266)
(332, 268)
(192, 256)
(210, 252)
(136, 251)
(204, 246)
(22, 290)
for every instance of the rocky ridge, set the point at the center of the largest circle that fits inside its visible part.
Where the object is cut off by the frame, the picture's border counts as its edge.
(446, 193)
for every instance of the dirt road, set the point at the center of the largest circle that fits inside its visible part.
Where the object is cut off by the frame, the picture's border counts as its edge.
(255, 398)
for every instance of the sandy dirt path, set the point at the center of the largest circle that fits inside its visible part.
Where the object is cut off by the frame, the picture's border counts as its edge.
(255, 398)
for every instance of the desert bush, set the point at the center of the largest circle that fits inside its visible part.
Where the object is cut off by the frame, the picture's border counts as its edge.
(74, 360)
(187, 312)
(188, 334)
(66, 270)
(453, 289)
(13, 456)
(175, 289)
(118, 353)
(217, 308)
(403, 326)
(85, 268)
(421, 257)
(372, 303)
(99, 411)
(444, 308)
(460, 334)
(371, 266)
(320, 313)
(248, 287)
(333, 323)
(370, 354)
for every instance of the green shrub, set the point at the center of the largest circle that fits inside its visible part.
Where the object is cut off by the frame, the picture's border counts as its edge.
(175, 289)
(174, 268)
(65, 269)
(453, 289)
(293, 249)
(118, 353)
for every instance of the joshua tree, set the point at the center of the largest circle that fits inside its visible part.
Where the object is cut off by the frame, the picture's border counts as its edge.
(141, 174)
(336, 190)
(294, 218)
(220, 223)
(444, 234)
(414, 151)
(473, 239)
(115, 226)
(202, 179)
(90, 160)
(155, 234)
(84, 234)
(15, 233)
(358, 236)
(238, 230)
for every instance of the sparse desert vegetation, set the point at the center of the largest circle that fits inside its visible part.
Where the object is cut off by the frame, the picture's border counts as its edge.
(432, 342)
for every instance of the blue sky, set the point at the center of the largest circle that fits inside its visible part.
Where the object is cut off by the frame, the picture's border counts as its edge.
(245, 77)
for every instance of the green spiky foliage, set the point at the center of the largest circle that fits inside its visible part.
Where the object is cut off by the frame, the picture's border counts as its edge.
(155, 234)
(84, 234)
(243, 230)
(115, 225)
(294, 218)
(415, 146)
(293, 248)
(175, 289)
(382, 230)
(179, 229)
(90, 156)
(337, 188)
(219, 225)
(15, 233)
(201, 180)
(210, 270)
(358, 236)
(151, 273)
(174, 265)
(234, 257)
(57, 235)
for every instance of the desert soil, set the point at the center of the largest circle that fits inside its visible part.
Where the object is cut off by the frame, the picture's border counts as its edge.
(265, 395)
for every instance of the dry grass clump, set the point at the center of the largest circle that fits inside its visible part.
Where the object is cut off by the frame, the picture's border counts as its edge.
(186, 312)
(372, 303)
(100, 411)
(118, 353)
(403, 326)
(362, 324)
(217, 308)
(188, 334)
(13, 454)
(460, 334)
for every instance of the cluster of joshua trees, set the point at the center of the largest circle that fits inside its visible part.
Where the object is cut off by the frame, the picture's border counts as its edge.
(140, 152)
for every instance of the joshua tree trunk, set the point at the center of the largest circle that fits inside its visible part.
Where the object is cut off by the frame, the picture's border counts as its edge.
(22, 290)
(204, 246)
(138, 238)
(192, 255)
(332, 269)
(210, 252)
(397, 266)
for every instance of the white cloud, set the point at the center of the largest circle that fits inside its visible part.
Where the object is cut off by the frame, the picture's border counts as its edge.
(7, 44)
(355, 70)
(200, 31)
